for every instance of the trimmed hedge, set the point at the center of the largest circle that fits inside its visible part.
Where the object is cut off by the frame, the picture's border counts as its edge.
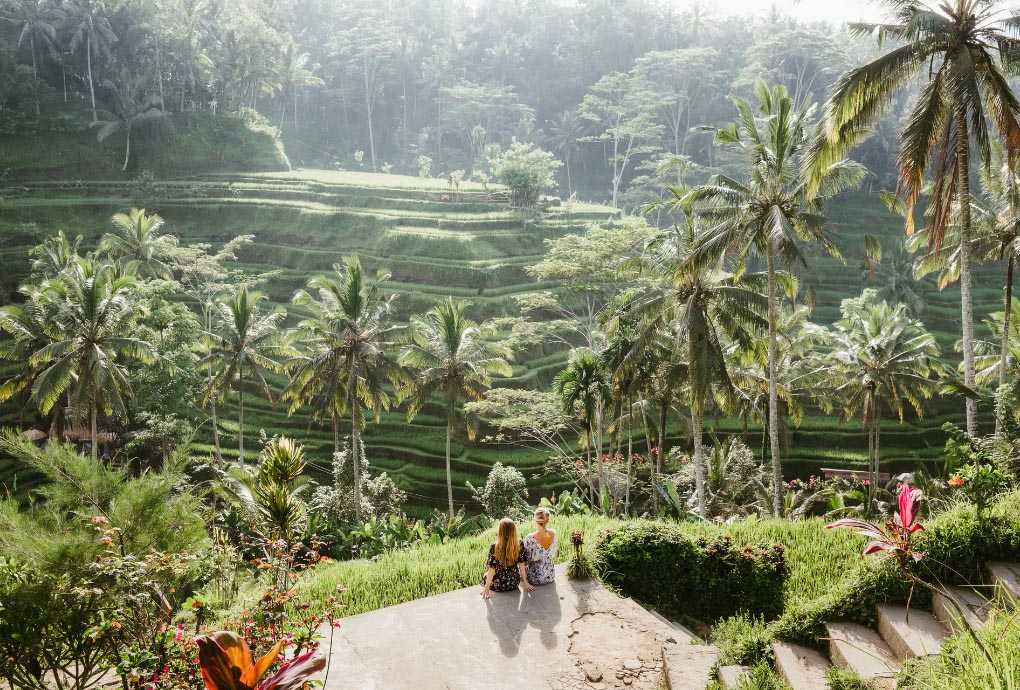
(704, 579)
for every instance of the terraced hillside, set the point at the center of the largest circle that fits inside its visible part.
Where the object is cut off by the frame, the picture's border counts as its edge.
(437, 242)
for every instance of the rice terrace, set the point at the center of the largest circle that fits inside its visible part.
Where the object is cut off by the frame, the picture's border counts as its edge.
(476, 345)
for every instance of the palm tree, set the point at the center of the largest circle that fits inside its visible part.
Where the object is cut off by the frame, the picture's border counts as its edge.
(245, 342)
(894, 276)
(93, 314)
(27, 328)
(130, 104)
(90, 27)
(354, 342)
(449, 355)
(958, 44)
(37, 21)
(583, 390)
(882, 355)
(706, 308)
(295, 72)
(54, 255)
(565, 134)
(771, 212)
(138, 244)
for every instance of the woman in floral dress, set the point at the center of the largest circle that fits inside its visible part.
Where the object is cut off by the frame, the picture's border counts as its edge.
(506, 562)
(540, 547)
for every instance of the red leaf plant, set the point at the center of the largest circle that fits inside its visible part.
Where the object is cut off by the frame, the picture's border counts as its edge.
(897, 536)
(227, 664)
(896, 540)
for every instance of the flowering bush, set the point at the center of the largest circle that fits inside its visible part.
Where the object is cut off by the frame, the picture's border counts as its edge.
(980, 483)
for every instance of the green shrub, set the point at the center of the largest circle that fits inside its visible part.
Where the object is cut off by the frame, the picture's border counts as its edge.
(505, 493)
(762, 677)
(705, 579)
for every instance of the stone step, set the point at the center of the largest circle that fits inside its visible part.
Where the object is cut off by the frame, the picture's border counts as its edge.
(688, 666)
(863, 651)
(688, 636)
(975, 609)
(1006, 578)
(731, 677)
(801, 667)
(911, 634)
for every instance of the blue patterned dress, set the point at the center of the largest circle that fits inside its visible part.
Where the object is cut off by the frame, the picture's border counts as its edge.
(540, 560)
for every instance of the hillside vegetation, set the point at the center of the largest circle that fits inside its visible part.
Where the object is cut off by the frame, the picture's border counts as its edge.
(437, 241)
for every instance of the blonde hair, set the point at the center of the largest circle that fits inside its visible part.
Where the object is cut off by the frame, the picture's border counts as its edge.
(508, 545)
(543, 512)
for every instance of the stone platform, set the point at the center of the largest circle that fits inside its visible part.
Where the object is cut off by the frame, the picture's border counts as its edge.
(564, 636)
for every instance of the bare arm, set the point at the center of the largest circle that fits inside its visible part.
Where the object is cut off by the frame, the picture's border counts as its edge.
(524, 578)
(488, 583)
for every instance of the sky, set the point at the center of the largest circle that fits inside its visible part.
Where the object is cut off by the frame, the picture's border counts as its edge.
(834, 11)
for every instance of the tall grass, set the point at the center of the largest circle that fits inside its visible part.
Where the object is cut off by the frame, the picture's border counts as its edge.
(962, 664)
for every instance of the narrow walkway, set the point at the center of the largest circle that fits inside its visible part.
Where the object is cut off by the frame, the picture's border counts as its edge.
(564, 636)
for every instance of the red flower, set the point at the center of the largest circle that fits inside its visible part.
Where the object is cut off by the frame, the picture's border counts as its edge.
(956, 481)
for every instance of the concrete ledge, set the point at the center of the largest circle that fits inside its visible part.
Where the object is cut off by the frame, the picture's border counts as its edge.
(689, 666)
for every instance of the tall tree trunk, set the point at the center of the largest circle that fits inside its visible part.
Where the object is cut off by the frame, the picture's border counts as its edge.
(216, 433)
(570, 187)
(592, 494)
(439, 123)
(449, 473)
(871, 458)
(92, 88)
(127, 149)
(777, 470)
(94, 434)
(1007, 316)
(368, 112)
(651, 462)
(660, 449)
(283, 110)
(697, 423)
(240, 421)
(336, 433)
(35, 74)
(63, 79)
(355, 444)
(630, 455)
(963, 161)
(294, 95)
(159, 73)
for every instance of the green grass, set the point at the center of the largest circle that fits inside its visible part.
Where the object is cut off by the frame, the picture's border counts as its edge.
(815, 557)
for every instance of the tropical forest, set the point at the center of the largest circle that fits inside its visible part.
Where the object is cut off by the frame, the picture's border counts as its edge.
(322, 321)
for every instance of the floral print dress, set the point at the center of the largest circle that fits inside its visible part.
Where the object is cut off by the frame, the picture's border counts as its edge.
(540, 560)
(507, 577)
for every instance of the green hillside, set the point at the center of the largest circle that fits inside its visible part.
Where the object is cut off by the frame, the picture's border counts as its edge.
(437, 243)
(434, 241)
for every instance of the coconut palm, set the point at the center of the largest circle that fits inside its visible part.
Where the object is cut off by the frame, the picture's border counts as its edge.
(244, 342)
(449, 355)
(138, 245)
(565, 134)
(895, 279)
(882, 357)
(958, 44)
(295, 72)
(771, 212)
(37, 21)
(706, 308)
(92, 311)
(129, 104)
(26, 326)
(354, 341)
(90, 27)
(54, 255)
(583, 390)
